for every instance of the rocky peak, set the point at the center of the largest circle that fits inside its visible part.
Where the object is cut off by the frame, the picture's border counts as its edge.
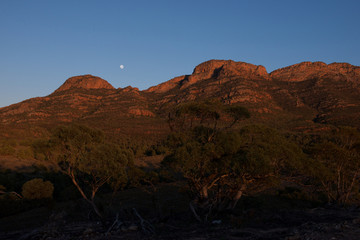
(225, 68)
(307, 70)
(209, 67)
(85, 82)
(245, 70)
(214, 69)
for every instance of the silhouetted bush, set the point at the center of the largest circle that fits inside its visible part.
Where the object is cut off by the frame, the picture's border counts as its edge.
(37, 189)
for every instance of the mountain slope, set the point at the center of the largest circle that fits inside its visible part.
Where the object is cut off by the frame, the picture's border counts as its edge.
(298, 97)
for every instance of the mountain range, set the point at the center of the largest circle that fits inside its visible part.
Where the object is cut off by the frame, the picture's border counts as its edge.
(302, 97)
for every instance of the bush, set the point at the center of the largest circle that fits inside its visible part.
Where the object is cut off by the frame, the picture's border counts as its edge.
(37, 189)
(25, 153)
(7, 149)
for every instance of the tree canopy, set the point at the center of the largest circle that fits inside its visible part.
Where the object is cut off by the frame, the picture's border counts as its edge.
(336, 164)
(83, 154)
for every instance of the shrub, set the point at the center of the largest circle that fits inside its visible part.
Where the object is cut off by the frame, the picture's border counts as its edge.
(336, 165)
(7, 149)
(37, 189)
(25, 153)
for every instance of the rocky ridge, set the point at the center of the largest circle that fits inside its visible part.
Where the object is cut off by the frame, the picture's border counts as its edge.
(307, 70)
(213, 69)
(298, 97)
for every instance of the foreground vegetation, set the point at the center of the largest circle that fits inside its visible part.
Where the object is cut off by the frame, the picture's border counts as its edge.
(213, 166)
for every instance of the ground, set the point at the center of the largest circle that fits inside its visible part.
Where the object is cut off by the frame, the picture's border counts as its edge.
(325, 222)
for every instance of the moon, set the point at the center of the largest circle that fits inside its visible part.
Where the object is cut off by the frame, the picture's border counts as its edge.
(121, 66)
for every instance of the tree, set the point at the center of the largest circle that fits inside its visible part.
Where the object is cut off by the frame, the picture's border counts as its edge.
(186, 116)
(88, 160)
(256, 155)
(336, 165)
(194, 135)
(221, 170)
(237, 113)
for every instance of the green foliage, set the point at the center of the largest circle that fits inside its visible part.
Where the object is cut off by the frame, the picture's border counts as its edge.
(157, 149)
(266, 148)
(187, 115)
(336, 165)
(25, 153)
(37, 189)
(7, 148)
(10, 148)
(41, 148)
(84, 155)
(206, 113)
(219, 169)
(104, 160)
(237, 113)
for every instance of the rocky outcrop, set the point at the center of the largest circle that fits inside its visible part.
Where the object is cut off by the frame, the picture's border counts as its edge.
(225, 69)
(309, 70)
(85, 82)
(228, 68)
(166, 86)
(218, 69)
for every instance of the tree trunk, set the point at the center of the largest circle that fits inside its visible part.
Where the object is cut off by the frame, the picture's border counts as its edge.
(91, 201)
(204, 193)
(349, 190)
(96, 209)
(237, 196)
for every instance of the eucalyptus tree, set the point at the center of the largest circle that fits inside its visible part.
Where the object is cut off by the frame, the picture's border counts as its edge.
(221, 170)
(83, 154)
(336, 165)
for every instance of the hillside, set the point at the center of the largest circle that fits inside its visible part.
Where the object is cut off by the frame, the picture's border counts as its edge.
(252, 182)
(300, 97)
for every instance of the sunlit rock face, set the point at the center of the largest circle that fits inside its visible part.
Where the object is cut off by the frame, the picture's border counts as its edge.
(300, 96)
(308, 70)
(218, 69)
(85, 82)
(223, 69)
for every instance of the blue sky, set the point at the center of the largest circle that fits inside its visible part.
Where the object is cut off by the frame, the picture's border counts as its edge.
(42, 43)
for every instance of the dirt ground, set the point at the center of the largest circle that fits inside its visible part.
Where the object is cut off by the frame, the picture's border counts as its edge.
(327, 222)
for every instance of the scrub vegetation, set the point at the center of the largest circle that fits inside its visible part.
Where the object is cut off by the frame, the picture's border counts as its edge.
(213, 169)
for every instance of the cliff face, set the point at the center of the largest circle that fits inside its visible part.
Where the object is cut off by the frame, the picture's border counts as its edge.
(300, 96)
